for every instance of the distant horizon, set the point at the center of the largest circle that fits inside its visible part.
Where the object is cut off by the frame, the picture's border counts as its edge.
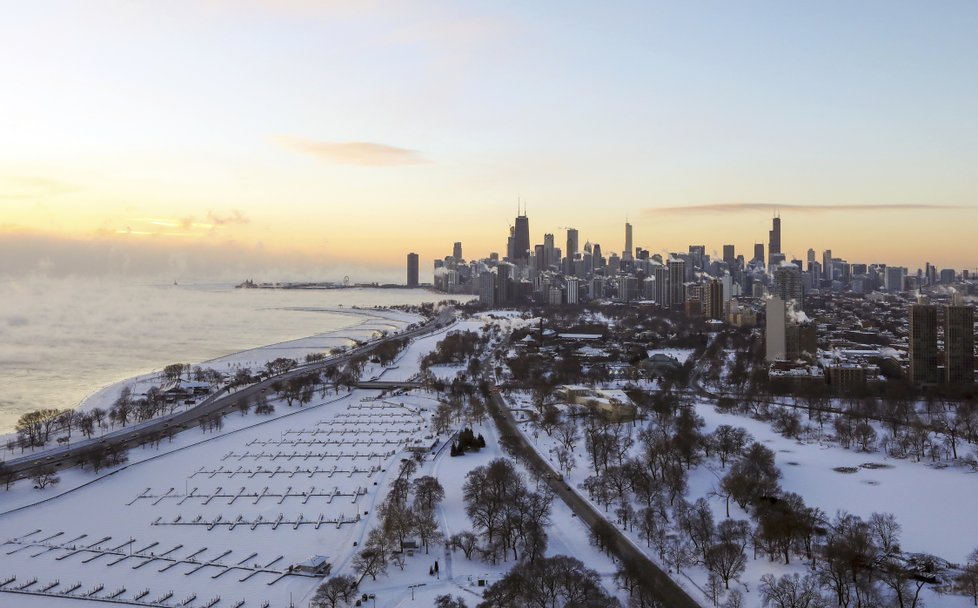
(335, 137)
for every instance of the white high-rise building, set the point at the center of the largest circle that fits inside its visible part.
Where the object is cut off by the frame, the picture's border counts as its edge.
(775, 338)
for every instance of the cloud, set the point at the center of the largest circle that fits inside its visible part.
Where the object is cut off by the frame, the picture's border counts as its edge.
(751, 207)
(360, 153)
(29, 187)
(184, 226)
(235, 218)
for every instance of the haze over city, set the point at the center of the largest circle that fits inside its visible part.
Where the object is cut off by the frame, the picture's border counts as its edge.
(304, 139)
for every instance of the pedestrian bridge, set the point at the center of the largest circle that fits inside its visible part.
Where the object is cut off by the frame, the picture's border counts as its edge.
(387, 385)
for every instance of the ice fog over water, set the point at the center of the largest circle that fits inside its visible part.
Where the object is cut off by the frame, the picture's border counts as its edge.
(62, 339)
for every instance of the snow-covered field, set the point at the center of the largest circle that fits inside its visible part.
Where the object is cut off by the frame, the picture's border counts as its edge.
(226, 517)
(225, 514)
(932, 505)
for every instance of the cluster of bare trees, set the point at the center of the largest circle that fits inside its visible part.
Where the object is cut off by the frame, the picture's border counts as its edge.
(559, 581)
(456, 347)
(509, 518)
(408, 512)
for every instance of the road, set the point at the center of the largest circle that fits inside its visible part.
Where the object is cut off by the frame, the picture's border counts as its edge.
(222, 402)
(657, 581)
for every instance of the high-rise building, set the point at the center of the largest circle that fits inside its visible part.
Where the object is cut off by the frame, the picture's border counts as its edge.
(729, 255)
(504, 288)
(677, 281)
(548, 250)
(521, 240)
(923, 344)
(697, 256)
(775, 339)
(573, 289)
(713, 299)
(959, 344)
(487, 288)
(758, 252)
(774, 240)
(627, 254)
(412, 270)
(571, 243)
(894, 278)
(787, 283)
(662, 292)
(457, 251)
(827, 265)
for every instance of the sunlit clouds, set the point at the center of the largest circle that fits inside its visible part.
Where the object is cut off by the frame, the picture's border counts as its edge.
(353, 152)
(345, 134)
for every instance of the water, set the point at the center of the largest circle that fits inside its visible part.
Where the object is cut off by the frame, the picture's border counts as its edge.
(62, 339)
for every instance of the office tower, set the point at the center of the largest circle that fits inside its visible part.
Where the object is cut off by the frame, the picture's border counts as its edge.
(758, 252)
(947, 276)
(923, 344)
(697, 254)
(521, 240)
(894, 278)
(713, 299)
(662, 286)
(457, 251)
(729, 255)
(412, 270)
(827, 264)
(548, 250)
(504, 290)
(677, 280)
(487, 288)
(811, 257)
(573, 288)
(959, 343)
(774, 240)
(540, 257)
(627, 288)
(787, 283)
(571, 243)
(775, 339)
(598, 261)
(627, 254)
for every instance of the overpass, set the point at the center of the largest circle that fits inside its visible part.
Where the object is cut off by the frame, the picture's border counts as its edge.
(386, 385)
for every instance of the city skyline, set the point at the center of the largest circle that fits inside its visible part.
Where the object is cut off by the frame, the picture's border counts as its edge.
(331, 139)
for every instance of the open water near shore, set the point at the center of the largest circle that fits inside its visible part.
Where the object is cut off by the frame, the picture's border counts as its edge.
(63, 339)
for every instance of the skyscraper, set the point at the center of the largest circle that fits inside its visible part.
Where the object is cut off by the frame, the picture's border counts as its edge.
(923, 344)
(787, 283)
(959, 344)
(827, 264)
(677, 281)
(774, 240)
(412, 270)
(627, 254)
(713, 299)
(521, 240)
(775, 339)
(662, 286)
(548, 250)
(729, 255)
(571, 243)
(457, 251)
(758, 252)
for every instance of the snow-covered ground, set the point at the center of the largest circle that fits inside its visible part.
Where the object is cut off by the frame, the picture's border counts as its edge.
(932, 505)
(224, 514)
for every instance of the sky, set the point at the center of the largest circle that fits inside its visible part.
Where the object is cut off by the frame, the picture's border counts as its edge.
(296, 138)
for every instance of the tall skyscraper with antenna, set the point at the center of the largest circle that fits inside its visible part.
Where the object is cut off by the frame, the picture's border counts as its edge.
(774, 241)
(521, 237)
